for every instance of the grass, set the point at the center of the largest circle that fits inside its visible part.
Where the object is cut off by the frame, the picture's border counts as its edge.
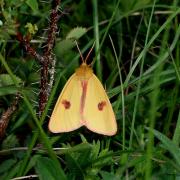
(136, 56)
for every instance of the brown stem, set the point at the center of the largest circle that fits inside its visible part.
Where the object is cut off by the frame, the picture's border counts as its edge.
(47, 57)
(43, 96)
(25, 42)
(5, 117)
(51, 74)
(47, 61)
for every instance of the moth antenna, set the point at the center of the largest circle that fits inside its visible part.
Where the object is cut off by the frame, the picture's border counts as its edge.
(89, 52)
(80, 52)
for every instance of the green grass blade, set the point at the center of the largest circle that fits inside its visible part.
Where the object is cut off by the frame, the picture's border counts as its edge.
(96, 35)
(167, 144)
(140, 79)
(169, 20)
(176, 136)
(108, 26)
(122, 93)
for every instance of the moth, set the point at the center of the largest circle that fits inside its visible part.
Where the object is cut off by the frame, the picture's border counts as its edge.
(83, 102)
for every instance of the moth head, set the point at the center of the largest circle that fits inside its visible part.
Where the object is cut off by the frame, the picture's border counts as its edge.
(84, 72)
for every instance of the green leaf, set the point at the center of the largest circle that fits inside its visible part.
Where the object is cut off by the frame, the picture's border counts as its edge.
(32, 162)
(168, 144)
(8, 90)
(21, 120)
(84, 157)
(108, 176)
(138, 161)
(5, 80)
(83, 147)
(7, 84)
(64, 46)
(133, 4)
(12, 173)
(95, 150)
(33, 4)
(6, 165)
(47, 169)
(32, 28)
(74, 167)
(76, 33)
(10, 142)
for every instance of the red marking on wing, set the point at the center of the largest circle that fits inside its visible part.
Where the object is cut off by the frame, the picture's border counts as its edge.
(101, 105)
(82, 102)
(66, 104)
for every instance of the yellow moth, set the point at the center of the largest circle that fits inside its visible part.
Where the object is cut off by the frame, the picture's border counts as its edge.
(83, 102)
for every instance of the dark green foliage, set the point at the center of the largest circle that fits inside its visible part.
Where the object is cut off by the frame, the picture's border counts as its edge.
(137, 57)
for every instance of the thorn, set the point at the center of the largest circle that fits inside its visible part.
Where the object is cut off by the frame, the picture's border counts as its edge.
(35, 102)
(37, 93)
(44, 38)
(44, 46)
(45, 29)
(48, 20)
(35, 83)
(57, 32)
(20, 95)
(47, 2)
(39, 69)
(52, 54)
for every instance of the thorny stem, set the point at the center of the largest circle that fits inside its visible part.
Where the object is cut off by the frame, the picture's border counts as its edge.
(47, 57)
(47, 60)
(54, 17)
(5, 117)
(25, 42)
(51, 73)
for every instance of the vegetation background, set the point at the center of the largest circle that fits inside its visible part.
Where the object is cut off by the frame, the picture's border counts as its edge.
(136, 56)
